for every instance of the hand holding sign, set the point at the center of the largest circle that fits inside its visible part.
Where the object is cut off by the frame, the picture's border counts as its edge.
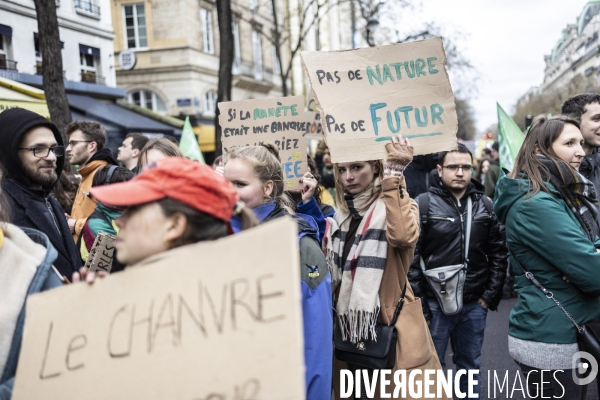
(400, 154)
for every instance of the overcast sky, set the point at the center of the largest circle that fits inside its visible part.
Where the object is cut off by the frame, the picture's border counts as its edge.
(506, 41)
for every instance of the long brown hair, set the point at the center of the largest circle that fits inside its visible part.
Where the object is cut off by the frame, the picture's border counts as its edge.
(543, 132)
(377, 166)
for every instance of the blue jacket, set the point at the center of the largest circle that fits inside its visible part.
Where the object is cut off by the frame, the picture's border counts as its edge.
(317, 304)
(319, 212)
(44, 279)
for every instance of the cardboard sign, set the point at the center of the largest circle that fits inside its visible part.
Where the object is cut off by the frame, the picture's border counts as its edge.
(102, 253)
(278, 120)
(213, 320)
(314, 129)
(366, 96)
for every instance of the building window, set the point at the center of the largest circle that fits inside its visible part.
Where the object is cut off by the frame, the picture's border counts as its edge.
(237, 57)
(38, 55)
(89, 60)
(257, 50)
(276, 65)
(5, 62)
(135, 26)
(88, 68)
(207, 31)
(210, 103)
(149, 100)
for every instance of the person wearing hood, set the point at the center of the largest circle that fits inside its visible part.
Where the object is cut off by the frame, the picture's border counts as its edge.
(86, 149)
(32, 151)
(442, 243)
(26, 257)
(550, 212)
(256, 174)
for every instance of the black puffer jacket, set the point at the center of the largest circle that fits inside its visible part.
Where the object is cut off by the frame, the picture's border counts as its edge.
(441, 243)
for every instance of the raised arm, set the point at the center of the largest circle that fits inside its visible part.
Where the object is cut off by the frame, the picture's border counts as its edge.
(402, 213)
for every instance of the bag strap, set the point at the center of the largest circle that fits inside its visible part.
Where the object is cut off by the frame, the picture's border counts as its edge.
(549, 294)
(487, 202)
(398, 306)
(423, 201)
(468, 234)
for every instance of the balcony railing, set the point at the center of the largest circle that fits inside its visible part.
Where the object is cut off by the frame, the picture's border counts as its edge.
(8, 65)
(87, 6)
(91, 77)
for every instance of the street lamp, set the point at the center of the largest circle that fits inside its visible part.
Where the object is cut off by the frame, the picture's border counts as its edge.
(371, 25)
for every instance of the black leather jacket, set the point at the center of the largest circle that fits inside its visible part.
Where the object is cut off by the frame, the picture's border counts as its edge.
(441, 243)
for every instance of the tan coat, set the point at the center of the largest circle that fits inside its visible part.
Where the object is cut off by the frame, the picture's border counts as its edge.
(414, 349)
(84, 206)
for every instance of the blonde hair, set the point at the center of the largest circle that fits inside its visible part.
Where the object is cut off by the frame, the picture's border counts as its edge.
(266, 163)
(165, 146)
(377, 166)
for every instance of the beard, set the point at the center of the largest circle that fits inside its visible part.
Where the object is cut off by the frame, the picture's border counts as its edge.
(37, 177)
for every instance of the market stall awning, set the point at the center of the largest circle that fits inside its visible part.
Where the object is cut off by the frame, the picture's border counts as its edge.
(206, 137)
(17, 95)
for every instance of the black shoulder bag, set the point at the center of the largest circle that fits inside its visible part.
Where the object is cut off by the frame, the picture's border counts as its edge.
(588, 335)
(380, 354)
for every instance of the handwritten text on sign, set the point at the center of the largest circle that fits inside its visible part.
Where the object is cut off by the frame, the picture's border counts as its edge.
(366, 96)
(196, 322)
(278, 120)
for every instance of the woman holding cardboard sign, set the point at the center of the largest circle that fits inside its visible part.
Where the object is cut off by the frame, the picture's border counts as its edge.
(172, 203)
(256, 173)
(370, 246)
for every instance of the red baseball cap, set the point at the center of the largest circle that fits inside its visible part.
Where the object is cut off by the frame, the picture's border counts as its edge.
(189, 182)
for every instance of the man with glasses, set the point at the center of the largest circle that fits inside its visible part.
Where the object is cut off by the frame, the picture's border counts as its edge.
(33, 155)
(442, 243)
(86, 149)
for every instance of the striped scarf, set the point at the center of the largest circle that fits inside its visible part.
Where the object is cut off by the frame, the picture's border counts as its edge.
(360, 277)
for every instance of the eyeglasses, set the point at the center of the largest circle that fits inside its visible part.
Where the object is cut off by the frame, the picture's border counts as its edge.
(455, 168)
(43, 152)
(72, 143)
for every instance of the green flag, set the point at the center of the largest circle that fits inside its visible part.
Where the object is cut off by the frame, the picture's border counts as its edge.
(510, 139)
(189, 143)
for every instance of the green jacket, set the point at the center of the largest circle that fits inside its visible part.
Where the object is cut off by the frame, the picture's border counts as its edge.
(548, 241)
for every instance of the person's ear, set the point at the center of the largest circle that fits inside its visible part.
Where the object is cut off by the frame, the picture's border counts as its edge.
(439, 169)
(135, 153)
(93, 146)
(268, 187)
(537, 149)
(176, 227)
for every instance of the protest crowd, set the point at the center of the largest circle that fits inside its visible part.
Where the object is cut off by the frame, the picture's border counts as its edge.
(406, 254)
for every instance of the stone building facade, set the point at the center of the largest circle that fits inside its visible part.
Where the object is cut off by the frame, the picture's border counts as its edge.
(577, 53)
(177, 47)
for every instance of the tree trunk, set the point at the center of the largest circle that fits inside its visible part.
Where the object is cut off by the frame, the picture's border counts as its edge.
(225, 64)
(277, 42)
(52, 65)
